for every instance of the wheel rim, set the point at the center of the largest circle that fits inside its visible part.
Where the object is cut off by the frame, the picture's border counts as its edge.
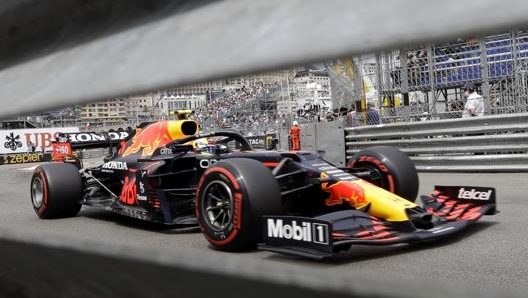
(379, 178)
(37, 192)
(218, 205)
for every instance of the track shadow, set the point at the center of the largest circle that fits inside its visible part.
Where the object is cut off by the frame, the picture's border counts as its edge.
(356, 253)
(360, 253)
(126, 221)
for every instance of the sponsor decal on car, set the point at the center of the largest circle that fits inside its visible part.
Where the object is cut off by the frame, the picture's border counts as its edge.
(115, 165)
(344, 191)
(141, 186)
(302, 231)
(474, 194)
(129, 191)
(148, 140)
(297, 231)
(86, 137)
(165, 151)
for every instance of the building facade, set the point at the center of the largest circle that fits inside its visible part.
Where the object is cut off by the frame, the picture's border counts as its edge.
(311, 90)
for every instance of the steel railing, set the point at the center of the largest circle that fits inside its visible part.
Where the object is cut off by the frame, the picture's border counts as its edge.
(497, 143)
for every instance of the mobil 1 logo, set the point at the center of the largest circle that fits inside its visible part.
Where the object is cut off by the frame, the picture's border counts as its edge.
(297, 231)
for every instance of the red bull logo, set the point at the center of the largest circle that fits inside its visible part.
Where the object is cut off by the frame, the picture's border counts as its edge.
(148, 139)
(344, 191)
(158, 134)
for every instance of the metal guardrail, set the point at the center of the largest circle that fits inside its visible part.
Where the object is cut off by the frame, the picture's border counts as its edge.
(479, 144)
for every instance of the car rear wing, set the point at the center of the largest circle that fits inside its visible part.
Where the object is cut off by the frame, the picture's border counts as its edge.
(88, 140)
(65, 145)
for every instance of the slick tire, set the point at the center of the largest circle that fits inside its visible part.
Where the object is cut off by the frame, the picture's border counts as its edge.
(232, 197)
(56, 190)
(390, 169)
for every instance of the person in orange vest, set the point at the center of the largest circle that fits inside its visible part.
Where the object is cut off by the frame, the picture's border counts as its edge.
(295, 134)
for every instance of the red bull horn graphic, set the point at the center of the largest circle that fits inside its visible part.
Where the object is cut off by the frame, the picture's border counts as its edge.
(346, 191)
(158, 134)
(148, 139)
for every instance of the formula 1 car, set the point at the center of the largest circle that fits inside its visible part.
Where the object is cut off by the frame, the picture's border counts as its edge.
(291, 202)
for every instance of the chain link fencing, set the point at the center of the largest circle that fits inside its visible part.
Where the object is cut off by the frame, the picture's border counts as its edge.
(423, 83)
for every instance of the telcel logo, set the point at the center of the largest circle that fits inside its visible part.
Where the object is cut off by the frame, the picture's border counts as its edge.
(473, 194)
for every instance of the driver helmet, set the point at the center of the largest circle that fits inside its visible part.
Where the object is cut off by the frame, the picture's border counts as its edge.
(213, 149)
(295, 123)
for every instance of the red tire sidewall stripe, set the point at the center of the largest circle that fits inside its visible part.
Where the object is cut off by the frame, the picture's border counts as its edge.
(380, 165)
(44, 204)
(237, 211)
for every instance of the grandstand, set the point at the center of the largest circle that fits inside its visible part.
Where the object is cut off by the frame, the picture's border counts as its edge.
(492, 58)
(251, 109)
(16, 124)
(427, 79)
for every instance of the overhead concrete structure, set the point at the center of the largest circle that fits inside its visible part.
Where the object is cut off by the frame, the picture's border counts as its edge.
(62, 52)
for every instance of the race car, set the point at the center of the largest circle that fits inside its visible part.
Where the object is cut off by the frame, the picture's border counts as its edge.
(291, 202)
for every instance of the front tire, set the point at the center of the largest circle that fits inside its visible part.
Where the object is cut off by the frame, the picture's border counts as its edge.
(56, 190)
(232, 197)
(391, 170)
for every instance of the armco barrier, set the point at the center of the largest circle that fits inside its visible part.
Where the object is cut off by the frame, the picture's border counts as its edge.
(485, 144)
(59, 267)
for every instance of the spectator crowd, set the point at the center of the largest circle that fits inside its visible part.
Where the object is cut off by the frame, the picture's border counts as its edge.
(243, 109)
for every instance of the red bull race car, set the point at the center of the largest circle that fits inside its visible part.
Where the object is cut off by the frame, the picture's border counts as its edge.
(291, 202)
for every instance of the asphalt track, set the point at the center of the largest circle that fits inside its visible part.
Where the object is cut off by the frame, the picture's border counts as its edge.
(491, 254)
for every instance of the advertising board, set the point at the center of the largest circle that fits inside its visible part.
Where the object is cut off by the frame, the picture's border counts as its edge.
(24, 140)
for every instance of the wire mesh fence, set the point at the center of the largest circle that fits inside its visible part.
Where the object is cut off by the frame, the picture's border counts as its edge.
(422, 83)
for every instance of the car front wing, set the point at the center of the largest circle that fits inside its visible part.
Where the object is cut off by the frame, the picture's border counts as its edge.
(452, 208)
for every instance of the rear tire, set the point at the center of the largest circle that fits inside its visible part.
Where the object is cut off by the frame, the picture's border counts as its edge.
(393, 170)
(232, 197)
(56, 190)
